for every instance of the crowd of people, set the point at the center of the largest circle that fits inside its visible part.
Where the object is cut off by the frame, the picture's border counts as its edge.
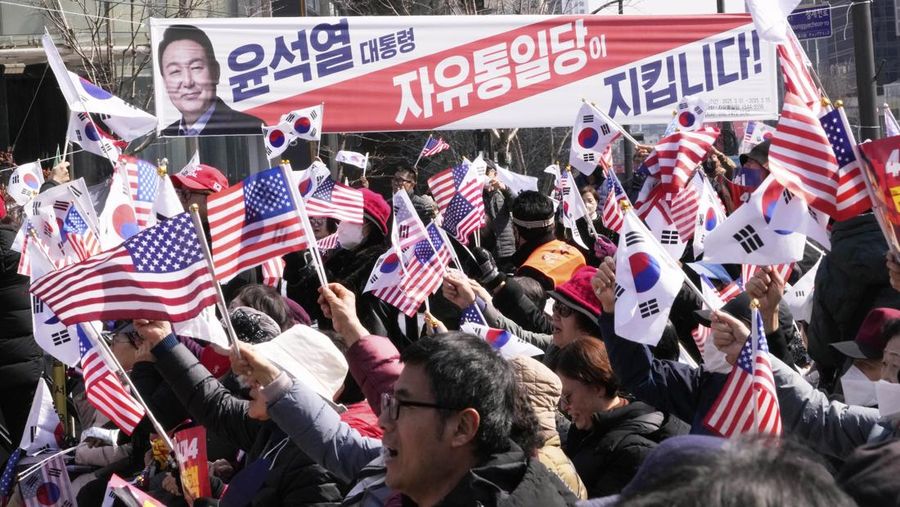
(362, 405)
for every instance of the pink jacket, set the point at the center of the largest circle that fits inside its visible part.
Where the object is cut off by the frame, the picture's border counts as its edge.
(375, 365)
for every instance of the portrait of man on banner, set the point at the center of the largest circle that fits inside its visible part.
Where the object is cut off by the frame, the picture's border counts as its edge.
(191, 73)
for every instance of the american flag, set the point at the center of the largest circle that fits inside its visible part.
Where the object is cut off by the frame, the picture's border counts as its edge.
(425, 270)
(49, 486)
(748, 401)
(434, 146)
(253, 221)
(143, 180)
(472, 315)
(457, 191)
(801, 158)
(676, 156)
(683, 210)
(612, 212)
(852, 197)
(104, 390)
(748, 270)
(273, 271)
(329, 242)
(9, 473)
(396, 296)
(408, 228)
(326, 198)
(157, 274)
(795, 67)
(78, 235)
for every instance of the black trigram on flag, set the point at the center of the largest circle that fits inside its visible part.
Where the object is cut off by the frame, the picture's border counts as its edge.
(588, 157)
(32, 430)
(75, 191)
(749, 239)
(54, 472)
(61, 337)
(314, 114)
(787, 196)
(633, 238)
(66, 503)
(313, 132)
(604, 129)
(14, 179)
(61, 205)
(619, 291)
(37, 306)
(648, 308)
(373, 278)
(588, 118)
(669, 237)
(404, 231)
(799, 293)
(32, 481)
(36, 207)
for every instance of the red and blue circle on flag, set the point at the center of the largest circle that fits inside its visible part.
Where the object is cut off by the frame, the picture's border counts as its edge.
(588, 137)
(124, 221)
(47, 493)
(306, 187)
(497, 337)
(276, 138)
(390, 264)
(302, 125)
(711, 220)
(686, 119)
(31, 180)
(91, 132)
(644, 270)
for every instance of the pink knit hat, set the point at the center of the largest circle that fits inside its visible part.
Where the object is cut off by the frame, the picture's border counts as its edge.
(578, 294)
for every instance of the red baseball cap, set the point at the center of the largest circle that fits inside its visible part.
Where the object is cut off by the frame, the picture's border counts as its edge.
(201, 177)
(870, 339)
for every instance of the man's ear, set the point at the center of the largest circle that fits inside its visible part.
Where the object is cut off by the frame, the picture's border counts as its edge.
(467, 423)
(214, 67)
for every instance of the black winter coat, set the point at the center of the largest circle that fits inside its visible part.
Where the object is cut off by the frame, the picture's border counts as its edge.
(851, 280)
(294, 478)
(509, 479)
(21, 360)
(608, 455)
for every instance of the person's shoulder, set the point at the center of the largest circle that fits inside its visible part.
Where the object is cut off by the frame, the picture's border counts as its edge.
(226, 120)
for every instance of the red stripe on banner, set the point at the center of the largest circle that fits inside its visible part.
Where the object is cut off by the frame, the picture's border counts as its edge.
(625, 43)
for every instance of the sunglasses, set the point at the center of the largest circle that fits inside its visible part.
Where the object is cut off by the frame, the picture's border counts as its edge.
(562, 310)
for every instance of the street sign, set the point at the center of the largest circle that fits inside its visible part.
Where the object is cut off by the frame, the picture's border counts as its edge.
(811, 22)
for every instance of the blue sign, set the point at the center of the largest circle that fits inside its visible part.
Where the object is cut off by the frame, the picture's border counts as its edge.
(811, 22)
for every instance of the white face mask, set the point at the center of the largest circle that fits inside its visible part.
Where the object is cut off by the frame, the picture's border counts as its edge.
(858, 389)
(888, 395)
(350, 235)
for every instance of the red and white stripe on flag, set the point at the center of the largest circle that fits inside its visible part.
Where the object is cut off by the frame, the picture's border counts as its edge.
(795, 67)
(683, 211)
(678, 154)
(748, 402)
(273, 271)
(748, 270)
(612, 213)
(395, 296)
(427, 265)
(107, 394)
(157, 274)
(253, 221)
(801, 157)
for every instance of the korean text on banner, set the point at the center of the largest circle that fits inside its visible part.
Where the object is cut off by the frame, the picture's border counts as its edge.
(461, 72)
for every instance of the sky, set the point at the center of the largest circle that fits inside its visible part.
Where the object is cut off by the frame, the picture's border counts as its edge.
(653, 7)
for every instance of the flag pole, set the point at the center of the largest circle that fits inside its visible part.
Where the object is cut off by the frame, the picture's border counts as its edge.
(416, 165)
(612, 122)
(211, 268)
(34, 468)
(94, 335)
(304, 223)
(365, 165)
(319, 142)
(754, 347)
(456, 263)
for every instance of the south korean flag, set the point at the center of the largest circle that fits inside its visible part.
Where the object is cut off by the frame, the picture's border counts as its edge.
(590, 137)
(49, 333)
(305, 123)
(647, 283)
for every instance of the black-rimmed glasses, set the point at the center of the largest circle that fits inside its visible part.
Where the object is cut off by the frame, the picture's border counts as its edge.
(391, 405)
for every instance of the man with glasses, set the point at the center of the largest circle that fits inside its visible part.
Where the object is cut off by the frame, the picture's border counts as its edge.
(448, 425)
(405, 180)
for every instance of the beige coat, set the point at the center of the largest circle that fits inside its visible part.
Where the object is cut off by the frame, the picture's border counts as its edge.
(544, 389)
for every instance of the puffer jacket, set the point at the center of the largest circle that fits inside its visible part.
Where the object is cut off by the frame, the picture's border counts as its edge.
(293, 479)
(543, 389)
(851, 280)
(20, 357)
